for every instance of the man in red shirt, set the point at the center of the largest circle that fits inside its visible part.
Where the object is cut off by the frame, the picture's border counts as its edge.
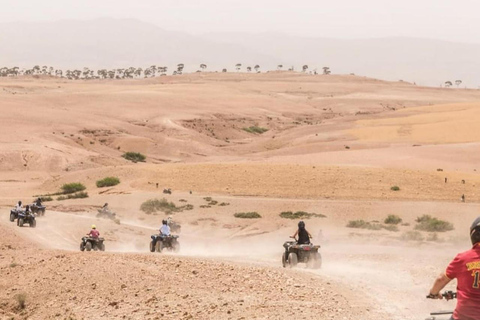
(94, 232)
(466, 269)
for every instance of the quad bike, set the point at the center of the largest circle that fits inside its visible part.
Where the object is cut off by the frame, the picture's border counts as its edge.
(106, 214)
(160, 242)
(13, 215)
(26, 217)
(448, 295)
(167, 191)
(39, 210)
(89, 243)
(174, 226)
(303, 253)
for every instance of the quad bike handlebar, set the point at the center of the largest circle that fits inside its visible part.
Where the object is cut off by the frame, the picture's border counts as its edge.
(448, 295)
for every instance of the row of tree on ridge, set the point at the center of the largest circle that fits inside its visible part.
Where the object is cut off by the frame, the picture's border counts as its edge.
(127, 73)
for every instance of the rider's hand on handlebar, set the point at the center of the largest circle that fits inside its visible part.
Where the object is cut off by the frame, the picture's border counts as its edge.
(435, 296)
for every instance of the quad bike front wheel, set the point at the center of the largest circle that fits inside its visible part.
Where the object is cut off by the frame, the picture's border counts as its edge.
(82, 246)
(33, 223)
(152, 246)
(159, 246)
(292, 259)
(102, 247)
(284, 262)
(20, 222)
(88, 246)
(12, 217)
(176, 247)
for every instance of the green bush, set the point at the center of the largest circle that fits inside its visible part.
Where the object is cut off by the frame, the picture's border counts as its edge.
(255, 129)
(390, 227)
(395, 188)
(362, 224)
(154, 205)
(134, 156)
(78, 195)
(108, 182)
(412, 236)
(247, 215)
(46, 198)
(430, 224)
(72, 187)
(393, 219)
(300, 215)
(223, 204)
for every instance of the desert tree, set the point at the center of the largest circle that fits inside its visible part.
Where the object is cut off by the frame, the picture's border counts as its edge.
(448, 84)
(249, 69)
(326, 70)
(180, 67)
(203, 66)
(305, 68)
(280, 67)
(458, 82)
(224, 70)
(238, 66)
(256, 67)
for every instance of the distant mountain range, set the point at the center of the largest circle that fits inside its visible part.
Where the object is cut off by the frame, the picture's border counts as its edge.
(108, 43)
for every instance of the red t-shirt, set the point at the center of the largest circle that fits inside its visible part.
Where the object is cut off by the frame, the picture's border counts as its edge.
(466, 269)
(94, 233)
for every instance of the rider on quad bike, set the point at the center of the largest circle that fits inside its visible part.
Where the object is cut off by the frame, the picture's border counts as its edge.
(105, 208)
(165, 229)
(38, 202)
(19, 207)
(303, 235)
(466, 269)
(94, 233)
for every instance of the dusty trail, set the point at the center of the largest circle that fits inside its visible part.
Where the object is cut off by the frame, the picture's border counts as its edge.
(394, 277)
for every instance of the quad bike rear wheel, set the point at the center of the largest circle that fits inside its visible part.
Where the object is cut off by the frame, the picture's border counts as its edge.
(101, 247)
(152, 246)
(82, 246)
(42, 212)
(314, 261)
(159, 246)
(12, 217)
(88, 246)
(292, 259)
(20, 222)
(33, 223)
(284, 262)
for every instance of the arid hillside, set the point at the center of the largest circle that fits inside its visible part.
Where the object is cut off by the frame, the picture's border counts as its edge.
(337, 150)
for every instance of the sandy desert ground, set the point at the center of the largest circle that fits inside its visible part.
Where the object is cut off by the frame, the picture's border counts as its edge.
(335, 146)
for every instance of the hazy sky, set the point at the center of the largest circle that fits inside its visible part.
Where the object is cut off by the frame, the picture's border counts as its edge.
(441, 19)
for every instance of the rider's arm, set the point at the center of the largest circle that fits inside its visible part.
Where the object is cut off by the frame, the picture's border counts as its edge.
(439, 284)
(296, 232)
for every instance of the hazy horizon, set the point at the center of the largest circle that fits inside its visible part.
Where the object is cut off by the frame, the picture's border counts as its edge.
(344, 19)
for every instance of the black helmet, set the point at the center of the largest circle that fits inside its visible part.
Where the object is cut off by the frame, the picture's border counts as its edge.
(20, 203)
(301, 224)
(106, 204)
(475, 231)
(164, 221)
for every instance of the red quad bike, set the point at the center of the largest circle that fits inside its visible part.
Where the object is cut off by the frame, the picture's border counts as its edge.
(301, 253)
(89, 243)
(444, 315)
